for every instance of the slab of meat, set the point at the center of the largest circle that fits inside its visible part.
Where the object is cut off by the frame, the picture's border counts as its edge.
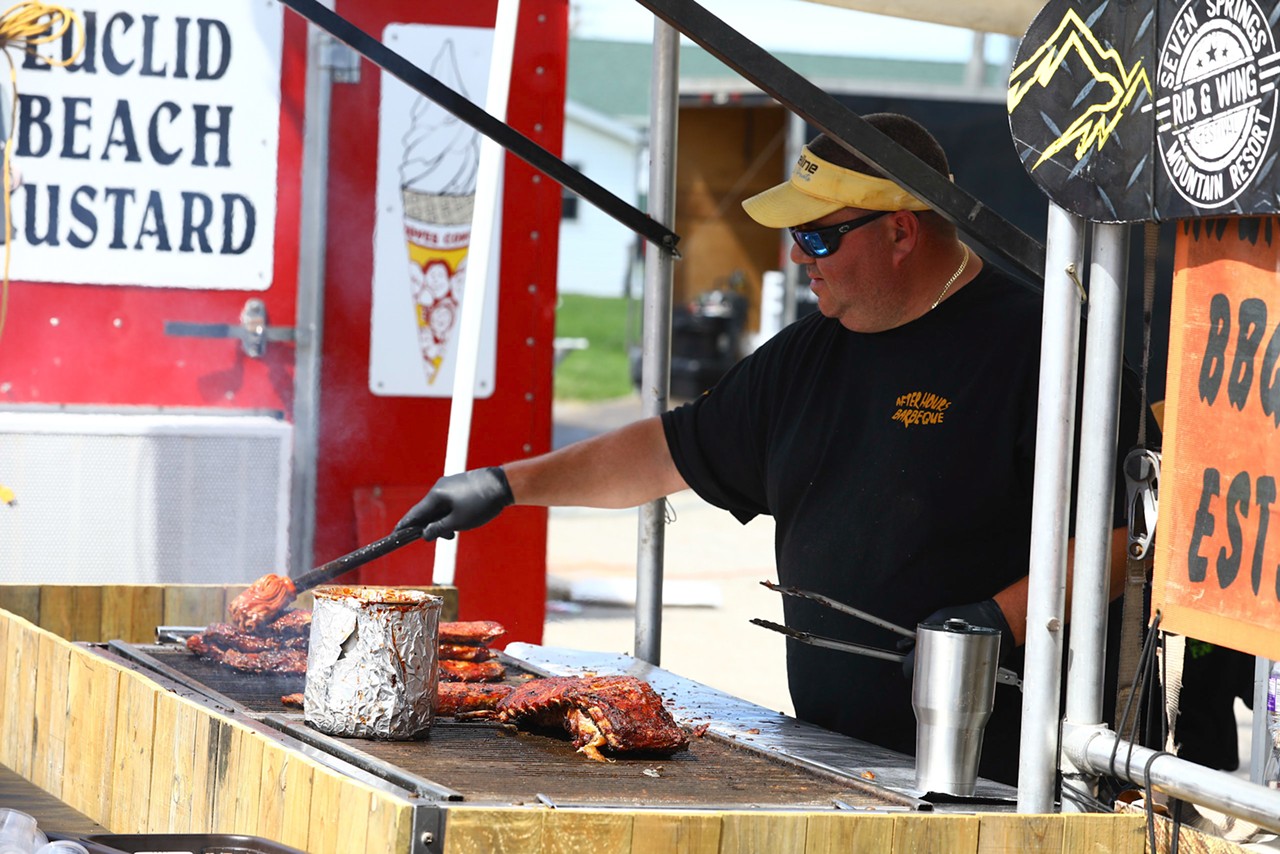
(463, 652)
(259, 604)
(458, 698)
(268, 661)
(294, 623)
(227, 636)
(620, 713)
(471, 671)
(293, 701)
(474, 633)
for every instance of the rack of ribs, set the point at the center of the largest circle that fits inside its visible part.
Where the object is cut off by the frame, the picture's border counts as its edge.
(467, 698)
(619, 713)
(277, 647)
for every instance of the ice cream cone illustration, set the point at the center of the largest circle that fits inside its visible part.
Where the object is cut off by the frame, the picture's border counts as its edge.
(438, 188)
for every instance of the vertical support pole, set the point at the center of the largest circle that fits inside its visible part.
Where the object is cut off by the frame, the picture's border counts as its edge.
(655, 373)
(1046, 591)
(1091, 575)
(309, 313)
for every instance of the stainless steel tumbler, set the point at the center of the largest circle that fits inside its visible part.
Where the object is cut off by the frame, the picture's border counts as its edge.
(953, 692)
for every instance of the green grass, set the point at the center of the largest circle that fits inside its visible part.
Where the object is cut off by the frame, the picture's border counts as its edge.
(601, 371)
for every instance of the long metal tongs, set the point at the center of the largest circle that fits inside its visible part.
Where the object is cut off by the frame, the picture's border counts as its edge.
(1004, 675)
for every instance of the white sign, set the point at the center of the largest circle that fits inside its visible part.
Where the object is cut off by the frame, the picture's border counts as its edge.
(151, 159)
(426, 185)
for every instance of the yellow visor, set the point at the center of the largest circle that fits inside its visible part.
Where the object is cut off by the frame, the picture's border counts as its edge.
(818, 187)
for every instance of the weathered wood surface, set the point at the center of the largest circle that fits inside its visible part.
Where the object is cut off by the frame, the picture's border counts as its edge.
(131, 612)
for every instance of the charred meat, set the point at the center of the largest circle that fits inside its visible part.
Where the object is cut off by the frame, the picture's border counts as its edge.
(473, 633)
(618, 713)
(464, 652)
(471, 671)
(459, 698)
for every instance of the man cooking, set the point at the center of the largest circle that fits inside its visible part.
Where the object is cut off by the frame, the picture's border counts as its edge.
(890, 434)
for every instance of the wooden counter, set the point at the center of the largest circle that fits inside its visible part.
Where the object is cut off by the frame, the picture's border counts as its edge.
(136, 757)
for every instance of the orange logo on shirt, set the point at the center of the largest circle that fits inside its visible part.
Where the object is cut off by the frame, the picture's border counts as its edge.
(919, 408)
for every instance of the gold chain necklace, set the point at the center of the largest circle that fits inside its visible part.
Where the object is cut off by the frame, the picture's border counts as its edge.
(964, 262)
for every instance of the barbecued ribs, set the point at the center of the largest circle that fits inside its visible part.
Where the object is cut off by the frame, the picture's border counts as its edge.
(465, 652)
(621, 713)
(474, 633)
(460, 698)
(277, 647)
(471, 671)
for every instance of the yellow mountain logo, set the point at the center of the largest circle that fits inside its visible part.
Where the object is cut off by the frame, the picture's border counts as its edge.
(1111, 89)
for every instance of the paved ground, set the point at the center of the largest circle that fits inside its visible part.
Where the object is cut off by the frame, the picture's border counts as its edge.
(709, 557)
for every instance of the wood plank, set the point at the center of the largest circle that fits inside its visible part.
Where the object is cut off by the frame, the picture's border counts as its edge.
(222, 816)
(16, 718)
(677, 832)
(206, 758)
(194, 604)
(777, 833)
(22, 600)
(1115, 834)
(339, 815)
(56, 609)
(162, 778)
(954, 834)
(249, 745)
(835, 833)
(1017, 834)
(133, 757)
(131, 612)
(93, 687)
(480, 830)
(569, 831)
(286, 797)
(72, 611)
(390, 824)
(53, 670)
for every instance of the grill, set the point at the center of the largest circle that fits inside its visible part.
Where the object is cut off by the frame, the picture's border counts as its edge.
(483, 762)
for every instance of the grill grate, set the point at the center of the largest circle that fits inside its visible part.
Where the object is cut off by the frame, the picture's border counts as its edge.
(492, 763)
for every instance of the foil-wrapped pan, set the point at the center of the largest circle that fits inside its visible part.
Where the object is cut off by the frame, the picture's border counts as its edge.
(372, 667)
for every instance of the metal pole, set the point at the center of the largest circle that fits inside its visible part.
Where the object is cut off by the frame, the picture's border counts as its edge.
(1091, 581)
(1091, 748)
(655, 374)
(1047, 584)
(796, 128)
(309, 315)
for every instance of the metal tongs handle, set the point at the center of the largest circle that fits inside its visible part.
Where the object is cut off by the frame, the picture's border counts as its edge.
(1004, 675)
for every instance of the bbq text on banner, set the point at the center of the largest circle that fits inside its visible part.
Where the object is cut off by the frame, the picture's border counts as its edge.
(1217, 568)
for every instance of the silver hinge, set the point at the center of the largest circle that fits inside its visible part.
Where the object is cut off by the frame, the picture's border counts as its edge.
(342, 62)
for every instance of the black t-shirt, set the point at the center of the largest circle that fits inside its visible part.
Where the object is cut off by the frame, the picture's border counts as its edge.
(898, 467)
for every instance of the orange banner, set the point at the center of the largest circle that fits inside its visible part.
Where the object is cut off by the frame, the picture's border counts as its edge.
(1217, 563)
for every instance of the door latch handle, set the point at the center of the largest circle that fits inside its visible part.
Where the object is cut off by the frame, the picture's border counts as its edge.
(253, 330)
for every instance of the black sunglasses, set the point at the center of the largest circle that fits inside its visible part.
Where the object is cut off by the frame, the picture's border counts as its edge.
(821, 242)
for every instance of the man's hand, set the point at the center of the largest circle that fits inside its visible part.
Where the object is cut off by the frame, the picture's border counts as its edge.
(985, 613)
(460, 502)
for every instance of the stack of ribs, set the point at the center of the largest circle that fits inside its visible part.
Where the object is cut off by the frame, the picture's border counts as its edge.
(279, 646)
(619, 713)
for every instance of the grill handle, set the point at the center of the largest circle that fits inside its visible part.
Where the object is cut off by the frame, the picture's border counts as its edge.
(359, 557)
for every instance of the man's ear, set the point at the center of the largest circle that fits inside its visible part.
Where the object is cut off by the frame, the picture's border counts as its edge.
(906, 234)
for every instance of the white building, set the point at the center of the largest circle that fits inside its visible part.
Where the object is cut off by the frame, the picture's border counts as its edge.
(595, 249)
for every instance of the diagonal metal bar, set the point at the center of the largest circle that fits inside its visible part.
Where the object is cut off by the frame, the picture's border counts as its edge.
(500, 132)
(1007, 242)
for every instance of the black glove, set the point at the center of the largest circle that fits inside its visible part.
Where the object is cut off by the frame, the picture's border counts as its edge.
(985, 613)
(459, 502)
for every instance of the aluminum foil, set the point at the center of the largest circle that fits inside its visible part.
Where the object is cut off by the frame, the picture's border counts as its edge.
(372, 666)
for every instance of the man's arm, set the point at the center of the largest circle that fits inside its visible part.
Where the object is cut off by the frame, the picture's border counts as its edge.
(1013, 599)
(622, 468)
